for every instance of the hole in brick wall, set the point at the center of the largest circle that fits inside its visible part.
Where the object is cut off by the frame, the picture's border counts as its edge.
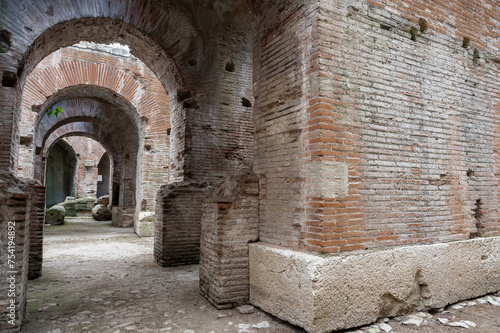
(4, 41)
(26, 140)
(443, 175)
(470, 173)
(191, 104)
(183, 94)
(385, 27)
(413, 33)
(144, 120)
(192, 62)
(352, 11)
(477, 210)
(475, 57)
(466, 42)
(36, 108)
(246, 103)
(424, 26)
(477, 214)
(230, 66)
(147, 147)
(169, 130)
(28, 30)
(50, 10)
(9, 79)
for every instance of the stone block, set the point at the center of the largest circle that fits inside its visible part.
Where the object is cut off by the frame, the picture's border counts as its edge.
(122, 218)
(326, 293)
(145, 225)
(55, 215)
(101, 213)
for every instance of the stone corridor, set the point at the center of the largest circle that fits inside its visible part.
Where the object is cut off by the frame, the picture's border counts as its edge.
(98, 278)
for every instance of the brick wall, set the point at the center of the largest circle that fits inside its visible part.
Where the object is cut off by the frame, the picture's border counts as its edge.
(15, 212)
(281, 55)
(376, 123)
(37, 218)
(178, 223)
(230, 221)
(90, 153)
(410, 112)
(127, 76)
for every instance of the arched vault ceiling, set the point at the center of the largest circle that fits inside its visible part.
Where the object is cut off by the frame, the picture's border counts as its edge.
(100, 113)
(108, 141)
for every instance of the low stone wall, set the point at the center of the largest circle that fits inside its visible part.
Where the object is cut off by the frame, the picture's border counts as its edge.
(326, 293)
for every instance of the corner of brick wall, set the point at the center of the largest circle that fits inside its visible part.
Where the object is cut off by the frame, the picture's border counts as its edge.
(230, 221)
(15, 209)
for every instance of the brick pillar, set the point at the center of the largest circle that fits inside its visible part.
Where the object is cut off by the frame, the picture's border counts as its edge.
(178, 223)
(230, 221)
(37, 218)
(15, 209)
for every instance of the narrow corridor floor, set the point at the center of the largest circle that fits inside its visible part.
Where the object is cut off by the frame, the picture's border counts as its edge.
(98, 278)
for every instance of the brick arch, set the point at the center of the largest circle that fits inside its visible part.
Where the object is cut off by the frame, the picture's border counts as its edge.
(162, 52)
(115, 119)
(112, 145)
(45, 83)
(49, 84)
(112, 123)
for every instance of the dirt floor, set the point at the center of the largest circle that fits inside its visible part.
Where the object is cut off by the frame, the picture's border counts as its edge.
(97, 278)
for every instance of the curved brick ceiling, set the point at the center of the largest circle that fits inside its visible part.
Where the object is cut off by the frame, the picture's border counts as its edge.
(89, 130)
(187, 44)
(107, 116)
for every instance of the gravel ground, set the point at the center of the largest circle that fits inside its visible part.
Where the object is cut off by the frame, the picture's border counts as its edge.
(97, 278)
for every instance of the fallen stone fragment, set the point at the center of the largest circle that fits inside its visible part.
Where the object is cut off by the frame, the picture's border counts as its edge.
(471, 303)
(443, 321)
(458, 324)
(457, 307)
(469, 323)
(481, 301)
(423, 315)
(373, 330)
(492, 301)
(55, 215)
(101, 213)
(243, 328)
(245, 309)
(413, 320)
(386, 328)
(264, 324)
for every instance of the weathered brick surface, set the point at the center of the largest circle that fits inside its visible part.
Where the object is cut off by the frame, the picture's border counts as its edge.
(230, 221)
(71, 67)
(15, 209)
(178, 223)
(37, 218)
(392, 129)
(89, 154)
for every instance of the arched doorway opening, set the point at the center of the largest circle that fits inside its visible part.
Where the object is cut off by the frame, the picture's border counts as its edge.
(60, 173)
(211, 129)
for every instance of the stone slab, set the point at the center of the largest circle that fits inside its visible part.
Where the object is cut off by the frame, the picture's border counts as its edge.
(326, 293)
